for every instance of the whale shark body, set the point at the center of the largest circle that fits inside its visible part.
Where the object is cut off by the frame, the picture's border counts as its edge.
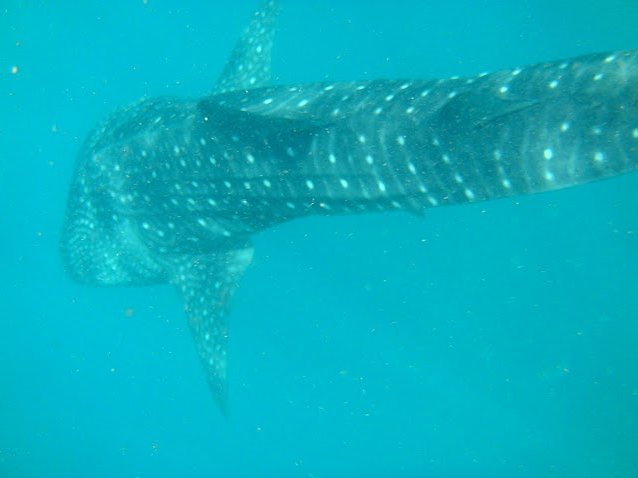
(170, 190)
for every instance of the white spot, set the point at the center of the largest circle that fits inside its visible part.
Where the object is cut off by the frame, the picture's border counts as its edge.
(332, 158)
(404, 86)
(176, 149)
(452, 94)
(564, 126)
(227, 184)
(425, 93)
(202, 141)
(389, 97)
(144, 153)
(336, 112)
(548, 153)
(503, 89)
(378, 111)
(410, 110)
(302, 103)
(610, 58)
(344, 183)
(362, 139)
(596, 130)
(433, 201)
(598, 76)
(634, 133)
(329, 87)
(549, 175)
(116, 167)
(412, 168)
(267, 183)
(160, 233)
(562, 66)
(401, 140)
(171, 225)
(369, 159)
(506, 184)
(247, 185)
(309, 184)
(195, 184)
(599, 156)
(201, 222)
(553, 84)
(212, 202)
(469, 194)
(458, 178)
(259, 49)
(145, 225)
(182, 162)
(267, 101)
(516, 72)
(446, 159)
(381, 186)
(250, 158)
(290, 205)
(498, 154)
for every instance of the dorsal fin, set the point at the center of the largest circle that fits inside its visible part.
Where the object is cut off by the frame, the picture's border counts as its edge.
(249, 65)
(221, 118)
(479, 109)
(273, 133)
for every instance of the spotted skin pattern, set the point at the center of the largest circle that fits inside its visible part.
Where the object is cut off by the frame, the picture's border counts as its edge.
(170, 190)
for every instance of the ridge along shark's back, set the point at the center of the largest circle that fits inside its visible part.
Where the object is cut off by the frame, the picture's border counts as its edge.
(170, 190)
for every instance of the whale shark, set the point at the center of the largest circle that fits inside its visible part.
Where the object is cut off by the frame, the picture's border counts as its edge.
(170, 190)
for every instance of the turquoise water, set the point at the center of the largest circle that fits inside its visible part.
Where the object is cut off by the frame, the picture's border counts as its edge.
(497, 339)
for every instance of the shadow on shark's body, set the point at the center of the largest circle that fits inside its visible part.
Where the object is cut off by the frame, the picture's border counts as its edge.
(170, 190)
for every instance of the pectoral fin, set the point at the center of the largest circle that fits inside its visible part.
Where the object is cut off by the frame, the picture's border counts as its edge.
(206, 284)
(249, 65)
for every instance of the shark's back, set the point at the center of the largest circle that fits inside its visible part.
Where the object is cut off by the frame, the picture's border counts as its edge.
(171, 191)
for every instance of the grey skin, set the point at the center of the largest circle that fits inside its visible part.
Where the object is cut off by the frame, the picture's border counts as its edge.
(170, 190)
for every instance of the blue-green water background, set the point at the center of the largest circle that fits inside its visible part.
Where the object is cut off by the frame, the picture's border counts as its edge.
(497, 339)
